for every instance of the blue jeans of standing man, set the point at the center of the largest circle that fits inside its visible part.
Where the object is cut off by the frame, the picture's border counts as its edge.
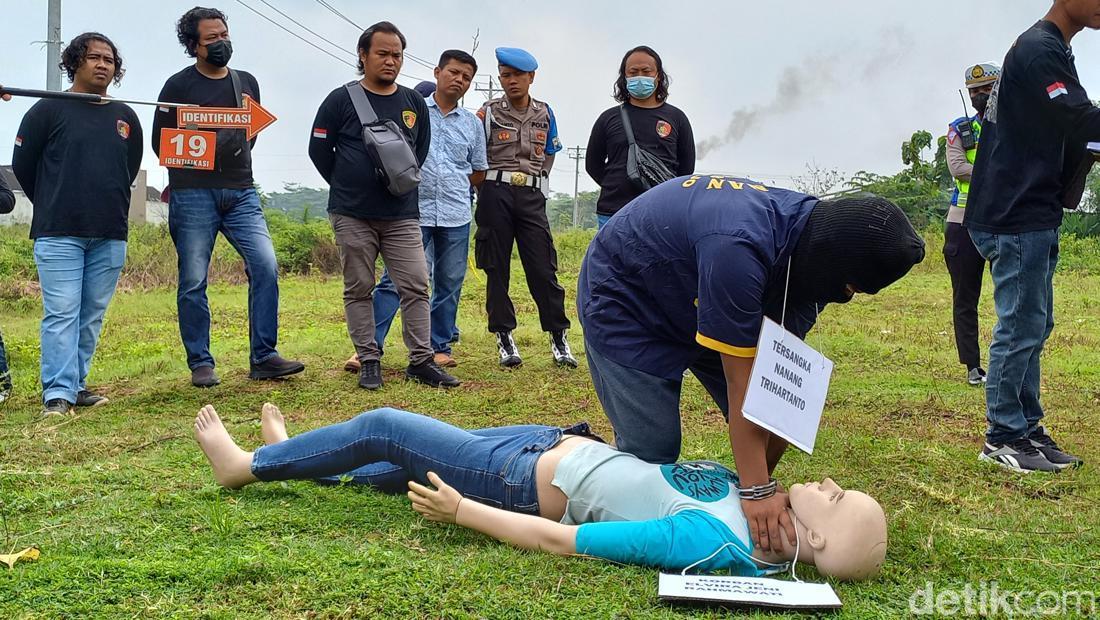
(1022, 265)
(78, 276)
(195, 217)
(386, 448)
(446, 249)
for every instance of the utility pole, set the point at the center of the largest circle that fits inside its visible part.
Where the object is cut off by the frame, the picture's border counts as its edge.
(53, 45)
(490, 89)
(576, 153)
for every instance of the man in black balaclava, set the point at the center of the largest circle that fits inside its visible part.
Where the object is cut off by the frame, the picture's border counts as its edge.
(203, 203)
(683, 277)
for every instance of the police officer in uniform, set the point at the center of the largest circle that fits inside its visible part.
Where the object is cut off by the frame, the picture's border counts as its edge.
(522, 138)
(964, 263)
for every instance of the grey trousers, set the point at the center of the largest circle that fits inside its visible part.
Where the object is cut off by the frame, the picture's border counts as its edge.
(402, 249)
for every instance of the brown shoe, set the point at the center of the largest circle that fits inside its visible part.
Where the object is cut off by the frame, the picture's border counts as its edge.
(443, 360)
(353, 365)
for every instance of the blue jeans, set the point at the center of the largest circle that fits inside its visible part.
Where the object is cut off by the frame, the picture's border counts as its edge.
(195, 217)
(386, 448)
(601, 220)
(1022, 265)
(78, 277)
(644, 409)
(446, 249)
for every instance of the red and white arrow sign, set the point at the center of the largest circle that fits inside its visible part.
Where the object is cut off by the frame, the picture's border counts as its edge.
(253, 118)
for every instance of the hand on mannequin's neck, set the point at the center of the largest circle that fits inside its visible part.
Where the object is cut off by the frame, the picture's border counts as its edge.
(805, 551)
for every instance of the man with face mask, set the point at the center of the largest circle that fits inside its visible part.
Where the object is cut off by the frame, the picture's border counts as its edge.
(682, 278)
(203, 203)
(964, 263)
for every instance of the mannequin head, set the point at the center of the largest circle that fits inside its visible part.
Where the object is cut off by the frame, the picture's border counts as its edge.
(845, 530)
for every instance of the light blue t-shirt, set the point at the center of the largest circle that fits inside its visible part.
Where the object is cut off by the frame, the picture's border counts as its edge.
(667, 516)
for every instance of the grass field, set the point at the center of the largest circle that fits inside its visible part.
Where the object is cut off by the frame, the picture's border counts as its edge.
(130, 523)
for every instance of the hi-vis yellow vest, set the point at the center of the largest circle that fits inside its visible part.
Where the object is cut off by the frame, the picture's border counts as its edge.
(971, 156)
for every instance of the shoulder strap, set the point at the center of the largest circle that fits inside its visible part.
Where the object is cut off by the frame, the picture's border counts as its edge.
(626, 125)
(362, 105)
(488, 121)
(236, 79)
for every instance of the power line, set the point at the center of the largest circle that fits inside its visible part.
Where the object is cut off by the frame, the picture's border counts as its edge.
(421, 61)
(296, 35)
(303, 26)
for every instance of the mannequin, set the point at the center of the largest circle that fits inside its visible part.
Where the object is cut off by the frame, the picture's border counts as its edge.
(557, 490)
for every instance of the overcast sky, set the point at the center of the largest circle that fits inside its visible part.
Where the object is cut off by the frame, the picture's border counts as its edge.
(838, 83)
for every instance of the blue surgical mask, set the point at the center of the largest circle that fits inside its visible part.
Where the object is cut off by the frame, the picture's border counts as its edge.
(641, 86)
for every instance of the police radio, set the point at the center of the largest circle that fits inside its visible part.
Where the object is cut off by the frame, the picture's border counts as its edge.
(965, 128)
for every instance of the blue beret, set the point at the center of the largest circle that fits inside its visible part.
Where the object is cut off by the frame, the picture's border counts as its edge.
(425, 88)
(515, 57)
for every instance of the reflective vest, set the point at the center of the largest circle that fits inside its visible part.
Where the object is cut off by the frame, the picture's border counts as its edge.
(963, 187)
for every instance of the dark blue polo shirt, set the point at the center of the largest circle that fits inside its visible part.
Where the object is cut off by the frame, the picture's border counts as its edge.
(692, 265)
(1034, 134)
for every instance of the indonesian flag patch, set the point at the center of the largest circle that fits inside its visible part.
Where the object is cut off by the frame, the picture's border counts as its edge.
(320, 133)
(18, 140)
(1056, 90)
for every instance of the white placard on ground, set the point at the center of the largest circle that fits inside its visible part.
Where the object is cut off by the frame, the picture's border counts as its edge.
(750, 591)
(787, 387)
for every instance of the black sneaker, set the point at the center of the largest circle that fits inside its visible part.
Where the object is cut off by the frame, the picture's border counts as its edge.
(976, 376)
(429, 373)
(276, 367)
(370, 375)
(56, 406)
(1044, 443)
(88, 398)
(204, 377)
(1018, 455)
(559, 346)
(509, 354)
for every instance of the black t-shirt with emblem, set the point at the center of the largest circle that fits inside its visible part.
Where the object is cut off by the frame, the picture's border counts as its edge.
(76, 162)
(663, 131)
(337, 150)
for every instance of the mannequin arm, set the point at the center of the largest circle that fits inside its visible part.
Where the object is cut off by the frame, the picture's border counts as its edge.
(446, 504)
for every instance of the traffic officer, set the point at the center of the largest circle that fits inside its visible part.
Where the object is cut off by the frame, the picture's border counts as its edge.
(964, 263)
(522, 138)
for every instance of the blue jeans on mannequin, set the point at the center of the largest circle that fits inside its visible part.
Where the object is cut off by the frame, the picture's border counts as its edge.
(78, 277)
(386, 448)
(446, 249)
(1022, 265)
(195, 217)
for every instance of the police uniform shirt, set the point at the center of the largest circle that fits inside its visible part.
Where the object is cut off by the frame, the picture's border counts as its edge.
(1037, 124)
(337, 150)
(76, 161)
(663, 131)
(233, 154)
(518, 141)
(693, 264)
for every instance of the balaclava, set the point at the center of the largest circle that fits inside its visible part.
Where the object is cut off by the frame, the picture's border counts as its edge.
(866, 242)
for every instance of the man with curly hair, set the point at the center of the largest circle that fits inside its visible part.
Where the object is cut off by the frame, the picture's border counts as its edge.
(203, 203)
(76, 161)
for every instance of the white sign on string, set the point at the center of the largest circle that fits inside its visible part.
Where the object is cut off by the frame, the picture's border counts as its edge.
(787, 387)
(752, 591)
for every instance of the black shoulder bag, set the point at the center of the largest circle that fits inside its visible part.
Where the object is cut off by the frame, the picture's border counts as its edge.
(644, 169)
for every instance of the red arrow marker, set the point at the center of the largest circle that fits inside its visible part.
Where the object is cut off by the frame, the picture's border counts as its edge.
(253, 118)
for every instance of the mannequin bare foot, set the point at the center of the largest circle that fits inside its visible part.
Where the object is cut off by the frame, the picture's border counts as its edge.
(232, 466)
(272, 424)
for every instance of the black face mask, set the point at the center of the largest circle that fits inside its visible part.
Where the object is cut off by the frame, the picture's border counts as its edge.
(980, 101)
(218, 53)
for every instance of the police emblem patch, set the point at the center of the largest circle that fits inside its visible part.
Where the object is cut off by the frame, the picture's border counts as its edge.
(409, 117)
(664, 129)
(123, 129)
(504, 136)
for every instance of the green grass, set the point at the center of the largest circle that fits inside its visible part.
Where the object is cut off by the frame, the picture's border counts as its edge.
(122, 505)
